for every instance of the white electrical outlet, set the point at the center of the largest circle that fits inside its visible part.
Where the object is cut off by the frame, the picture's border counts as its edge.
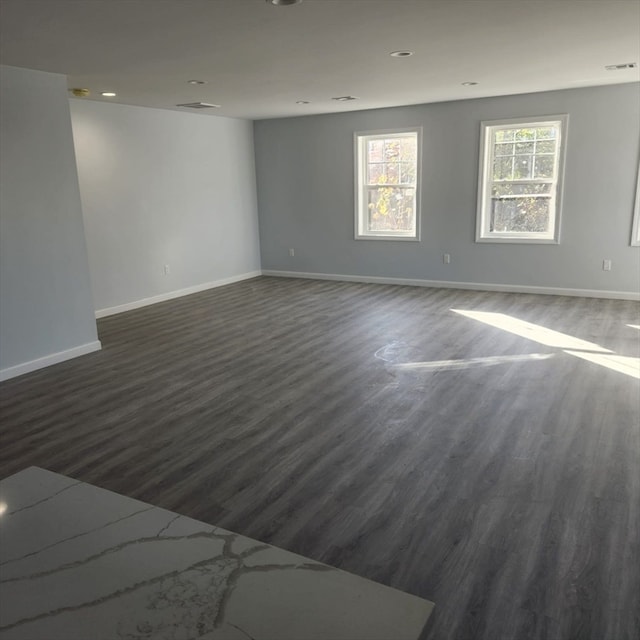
(167, 270)
(446, 258)
(606, 265)
(292, 253)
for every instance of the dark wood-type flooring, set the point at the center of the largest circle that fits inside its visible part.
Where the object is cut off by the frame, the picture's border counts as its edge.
(310, 415)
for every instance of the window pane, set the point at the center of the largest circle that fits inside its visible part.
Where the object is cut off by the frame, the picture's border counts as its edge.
(504, 149)
(391, 209)
(524, 148)
(503, 135)
(392, 150)
(392, 173)
(525, 134)
(546, 146)
(409, 149)
(544, 166)
(522, 167)
(546, 132)
(408, 173)
(520, 214)
(376, 148)
(376, 172)
(503, 168)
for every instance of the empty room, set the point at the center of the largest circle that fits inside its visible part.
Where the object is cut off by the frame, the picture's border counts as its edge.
(320, 319)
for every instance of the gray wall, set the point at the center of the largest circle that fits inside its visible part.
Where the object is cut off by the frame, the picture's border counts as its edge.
(161, 187)
(45, 292)
(305, 194)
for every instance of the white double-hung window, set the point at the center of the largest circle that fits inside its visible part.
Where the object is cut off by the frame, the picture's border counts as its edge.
(388, 184)
(635, 234)
(520, 181)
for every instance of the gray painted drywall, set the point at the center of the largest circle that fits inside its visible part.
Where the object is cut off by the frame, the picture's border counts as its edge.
(45, 291)
(160, 187)
(306, 198)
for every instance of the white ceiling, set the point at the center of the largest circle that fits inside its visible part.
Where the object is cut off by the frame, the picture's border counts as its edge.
(259, 59)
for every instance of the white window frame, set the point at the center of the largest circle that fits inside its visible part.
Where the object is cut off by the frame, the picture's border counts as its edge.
(635, 232)
(360, 139)
(485, 181)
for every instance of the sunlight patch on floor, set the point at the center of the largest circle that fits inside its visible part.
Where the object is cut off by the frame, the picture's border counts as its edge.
(624, 364)
(569, 344)
(532, 331)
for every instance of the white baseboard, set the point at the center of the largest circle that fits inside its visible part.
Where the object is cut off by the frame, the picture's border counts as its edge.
(47, 361)
(474, 286)
(170, 295)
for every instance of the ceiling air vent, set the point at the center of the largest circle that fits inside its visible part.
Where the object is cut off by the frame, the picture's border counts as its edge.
(199, 105)
(618, 67)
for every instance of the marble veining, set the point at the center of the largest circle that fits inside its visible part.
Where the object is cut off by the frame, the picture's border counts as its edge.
(79, 562)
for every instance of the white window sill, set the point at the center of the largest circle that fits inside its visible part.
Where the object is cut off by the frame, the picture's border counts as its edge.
(517, 240)
(392, 238)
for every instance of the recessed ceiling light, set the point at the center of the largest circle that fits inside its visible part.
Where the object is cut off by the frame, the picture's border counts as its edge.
(79, 92)
(469, 84)
(196, 81)
(401, 54)
(302, 102)
(283, 3)
(108, 94)
(344, 98)
(619, 67)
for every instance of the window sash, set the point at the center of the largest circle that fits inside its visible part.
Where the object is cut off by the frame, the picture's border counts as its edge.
(391, 232)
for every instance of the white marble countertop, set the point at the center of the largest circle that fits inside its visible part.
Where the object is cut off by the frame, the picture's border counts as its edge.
(81, 563)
